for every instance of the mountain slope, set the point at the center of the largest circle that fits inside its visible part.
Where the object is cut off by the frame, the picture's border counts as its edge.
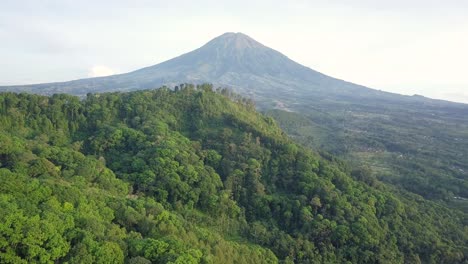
(193, 176)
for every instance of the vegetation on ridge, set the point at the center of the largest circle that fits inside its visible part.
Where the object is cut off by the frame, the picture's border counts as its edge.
(194, 176)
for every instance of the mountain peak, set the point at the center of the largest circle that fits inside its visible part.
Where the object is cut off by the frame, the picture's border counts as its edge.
(233, 34)
(234, 40)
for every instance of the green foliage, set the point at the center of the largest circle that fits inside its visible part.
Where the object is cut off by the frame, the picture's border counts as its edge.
(193, 176)
(418, 147)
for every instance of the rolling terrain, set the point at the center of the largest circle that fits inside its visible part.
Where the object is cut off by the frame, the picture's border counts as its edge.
(194, 175)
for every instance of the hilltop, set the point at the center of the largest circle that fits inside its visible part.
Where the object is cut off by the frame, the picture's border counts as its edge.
(194, 176)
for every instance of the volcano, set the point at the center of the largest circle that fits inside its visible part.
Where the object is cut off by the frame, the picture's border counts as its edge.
(232, 60)
(236, 61)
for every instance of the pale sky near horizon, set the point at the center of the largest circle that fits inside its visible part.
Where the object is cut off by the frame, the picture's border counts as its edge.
(402, 46)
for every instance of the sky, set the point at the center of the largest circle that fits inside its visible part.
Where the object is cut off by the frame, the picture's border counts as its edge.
(403, 46)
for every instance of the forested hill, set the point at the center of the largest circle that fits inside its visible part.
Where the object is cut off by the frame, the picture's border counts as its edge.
(194, 176)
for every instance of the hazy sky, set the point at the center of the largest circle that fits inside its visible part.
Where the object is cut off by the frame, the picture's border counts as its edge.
(404, 46)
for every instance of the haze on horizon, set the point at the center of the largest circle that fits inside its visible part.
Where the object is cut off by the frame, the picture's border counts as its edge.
(416, 47)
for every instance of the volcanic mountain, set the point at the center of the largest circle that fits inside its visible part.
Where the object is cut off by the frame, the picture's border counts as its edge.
(232, 60)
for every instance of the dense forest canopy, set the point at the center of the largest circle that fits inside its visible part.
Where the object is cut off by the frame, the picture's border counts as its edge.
(194, 175)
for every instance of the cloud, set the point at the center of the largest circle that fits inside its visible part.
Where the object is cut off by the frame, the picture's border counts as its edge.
(100, 70)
